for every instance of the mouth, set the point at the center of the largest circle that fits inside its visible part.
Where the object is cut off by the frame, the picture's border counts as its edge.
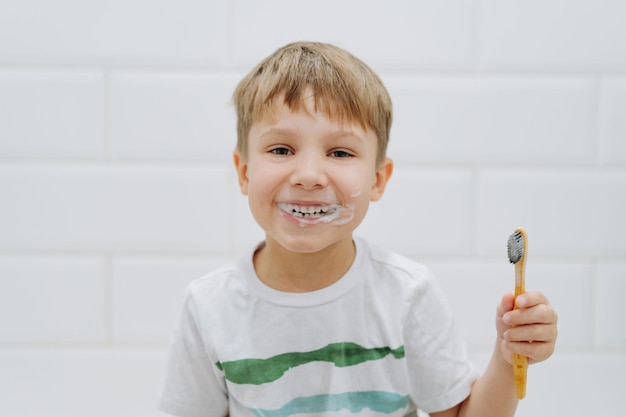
(309, 212)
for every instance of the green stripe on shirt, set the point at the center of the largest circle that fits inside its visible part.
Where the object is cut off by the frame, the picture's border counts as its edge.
(261, 371)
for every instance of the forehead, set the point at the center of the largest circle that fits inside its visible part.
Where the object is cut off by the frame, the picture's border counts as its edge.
(311, 109)
(306, 119)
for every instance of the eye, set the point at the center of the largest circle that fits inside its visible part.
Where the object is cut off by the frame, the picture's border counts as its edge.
(341, 154)
(280, 151)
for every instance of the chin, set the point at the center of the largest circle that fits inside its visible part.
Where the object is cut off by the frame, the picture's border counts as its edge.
(303, 244)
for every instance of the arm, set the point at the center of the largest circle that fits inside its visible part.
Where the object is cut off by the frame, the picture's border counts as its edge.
(530, 330)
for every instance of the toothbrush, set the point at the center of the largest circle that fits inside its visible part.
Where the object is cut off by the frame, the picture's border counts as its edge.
(518, 250)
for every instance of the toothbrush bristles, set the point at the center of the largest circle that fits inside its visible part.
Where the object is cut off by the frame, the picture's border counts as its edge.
(515, 247)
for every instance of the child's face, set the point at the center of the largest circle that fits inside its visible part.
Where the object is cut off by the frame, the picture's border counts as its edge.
(310, 179)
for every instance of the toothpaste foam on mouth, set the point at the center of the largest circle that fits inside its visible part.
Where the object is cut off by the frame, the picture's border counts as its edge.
(310, 215)
(308, 211)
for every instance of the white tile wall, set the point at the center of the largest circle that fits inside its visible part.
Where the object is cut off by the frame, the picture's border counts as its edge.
(562, 386)
(567, 212)
(95, 382)
(52, 299)
(495, 119)
(423, 211)
(397, 35)
(125, 208)
(51, 113)
(172, 115)
(117, 189)
(549, 35)
(136, 32)
(612, 121)
(611, 283)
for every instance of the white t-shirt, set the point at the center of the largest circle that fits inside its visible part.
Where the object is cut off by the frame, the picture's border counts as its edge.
(381, 341)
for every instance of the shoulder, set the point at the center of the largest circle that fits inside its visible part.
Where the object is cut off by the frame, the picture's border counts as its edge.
(389, 263)
(402, 277)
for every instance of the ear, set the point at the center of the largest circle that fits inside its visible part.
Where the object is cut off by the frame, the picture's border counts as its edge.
(242, 172)
(385, 169)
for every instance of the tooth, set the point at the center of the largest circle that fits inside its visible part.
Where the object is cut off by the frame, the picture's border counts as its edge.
(307, 211)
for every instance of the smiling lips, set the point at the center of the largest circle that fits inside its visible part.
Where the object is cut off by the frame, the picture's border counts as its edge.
(309, 215)
(308, 212)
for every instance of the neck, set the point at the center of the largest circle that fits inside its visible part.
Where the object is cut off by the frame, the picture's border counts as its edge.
(289, 271)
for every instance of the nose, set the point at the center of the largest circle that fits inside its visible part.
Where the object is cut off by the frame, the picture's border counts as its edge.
(309, 172)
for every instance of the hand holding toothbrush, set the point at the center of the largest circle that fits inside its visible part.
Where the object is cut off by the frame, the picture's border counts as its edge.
(526, 322)
(529, 330)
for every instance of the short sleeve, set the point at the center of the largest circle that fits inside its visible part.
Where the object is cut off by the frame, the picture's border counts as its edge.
(193, 385)
(440, 371)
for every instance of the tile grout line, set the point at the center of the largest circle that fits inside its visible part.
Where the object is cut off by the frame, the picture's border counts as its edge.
(596, 121)
(593, 305)
(107, 145)
(108, 299)
(473, 206)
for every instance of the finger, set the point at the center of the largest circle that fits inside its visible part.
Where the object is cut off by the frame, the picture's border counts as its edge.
(531, 333)
(505, 306)
(535, 351)
(507, 301)
(538, 314)
(531, 298)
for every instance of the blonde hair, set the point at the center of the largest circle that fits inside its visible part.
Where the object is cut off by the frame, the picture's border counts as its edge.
(344, 89)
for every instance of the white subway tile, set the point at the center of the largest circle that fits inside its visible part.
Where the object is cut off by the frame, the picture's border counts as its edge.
(148, 294)
(114, 32)
(119, 208)
(474, 289)
(609, 304)
(51, 113)
(558, 387)
(492, 119)
(573, 385)
(52, 300)
(568, 213)
(399, 35)
(79, 383)
(546, 35)
(613, 122)
(173, 114)
(422, 212)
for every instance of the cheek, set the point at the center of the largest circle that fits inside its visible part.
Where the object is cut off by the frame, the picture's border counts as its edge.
(259, 178)
(358, 186)
(357, 192)
(258, 188)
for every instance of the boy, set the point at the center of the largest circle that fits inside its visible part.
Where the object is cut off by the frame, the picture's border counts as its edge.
(315, 321)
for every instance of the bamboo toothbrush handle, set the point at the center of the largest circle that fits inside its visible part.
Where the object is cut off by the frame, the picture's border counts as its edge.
(520, 362)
